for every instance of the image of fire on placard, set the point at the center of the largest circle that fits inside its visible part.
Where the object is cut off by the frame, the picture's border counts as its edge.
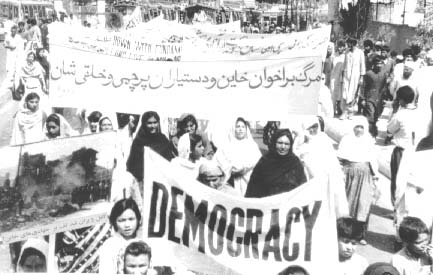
(55, 181)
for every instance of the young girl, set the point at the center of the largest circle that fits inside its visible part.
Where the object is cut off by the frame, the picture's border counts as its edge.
(191, 151)
(125, 219)
(29, 122)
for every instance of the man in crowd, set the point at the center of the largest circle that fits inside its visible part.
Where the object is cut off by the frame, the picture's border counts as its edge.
(402, 127)
(14, 46)
(416, 256)
(349, 233)
(353, 75)
(372, 94)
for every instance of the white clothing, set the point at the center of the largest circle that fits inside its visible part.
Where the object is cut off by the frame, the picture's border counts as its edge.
(337, 76)
(28, 126)
(239, 154)
(408, 265)
(109, 252)
(356, 265)
(414, 176)
(39, 244)
(354, 68)
(402, 126)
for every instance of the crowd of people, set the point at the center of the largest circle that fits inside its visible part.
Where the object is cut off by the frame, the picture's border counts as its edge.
(361, 83)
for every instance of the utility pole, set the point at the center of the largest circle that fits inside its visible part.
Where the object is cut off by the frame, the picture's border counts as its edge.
(404, 11)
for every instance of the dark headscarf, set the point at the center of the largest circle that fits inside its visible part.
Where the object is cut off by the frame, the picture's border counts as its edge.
(381, 269)
(157, 142)
(275, 174)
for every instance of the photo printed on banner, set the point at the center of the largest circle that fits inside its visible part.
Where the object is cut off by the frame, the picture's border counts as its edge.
(29, 256)
(77, 251)
(60, 184)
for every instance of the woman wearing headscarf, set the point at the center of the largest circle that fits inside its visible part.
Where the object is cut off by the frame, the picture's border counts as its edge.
(33, 257)
(29, 122)
(320, 161)
(32, 76)
(239, 155)
(191, 151)
(57, 127)
(360, 168)
(149, 134)
(279, 171)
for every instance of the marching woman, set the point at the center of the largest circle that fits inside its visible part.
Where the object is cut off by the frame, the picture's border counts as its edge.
(29, 122)
(149, 134)
(360, 168)
(32, 76)
(279, 171)
(239, 155)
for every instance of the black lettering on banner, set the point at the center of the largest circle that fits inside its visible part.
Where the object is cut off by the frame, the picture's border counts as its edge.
(194, 220)
(236, 212)
(295, 248)
(174, 215)
(274, 236)
(222, 223)
(252, 237)
(310, 220)
(157, 189)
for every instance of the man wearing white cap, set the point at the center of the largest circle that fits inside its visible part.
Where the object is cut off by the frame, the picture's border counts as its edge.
(406, 78)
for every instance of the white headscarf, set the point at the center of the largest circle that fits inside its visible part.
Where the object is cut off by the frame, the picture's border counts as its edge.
(38, 244)
(65, 128)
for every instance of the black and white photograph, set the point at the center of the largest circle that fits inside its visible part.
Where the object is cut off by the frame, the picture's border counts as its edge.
(216, 137)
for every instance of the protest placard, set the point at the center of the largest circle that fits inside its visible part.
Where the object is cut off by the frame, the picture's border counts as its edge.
(267, 89)
(216, 233)
(58, 185)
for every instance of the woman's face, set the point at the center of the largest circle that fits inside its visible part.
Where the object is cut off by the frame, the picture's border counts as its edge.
(33, 104)
(127, 224)
(30, 58)
(53, 129)
(152, 125)
(283, 145)
(106, 125)
(240, 130)
(198, 151)
(190, 127)
(34, 264)
(358, 130)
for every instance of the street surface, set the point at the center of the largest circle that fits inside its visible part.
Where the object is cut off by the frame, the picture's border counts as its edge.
(380, 236)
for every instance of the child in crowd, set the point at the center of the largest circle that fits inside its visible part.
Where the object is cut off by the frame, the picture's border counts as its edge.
(381, 269)
(294, 270)
(136, 259)
(349, 233)
(416, 256)
(402, 127)
(125, 218)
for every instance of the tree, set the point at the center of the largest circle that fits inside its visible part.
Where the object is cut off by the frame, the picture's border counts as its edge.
(355, 18)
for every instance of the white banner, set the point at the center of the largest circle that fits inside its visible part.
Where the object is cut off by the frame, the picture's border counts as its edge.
(177, 42)
(215, 233)
(257, 89)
